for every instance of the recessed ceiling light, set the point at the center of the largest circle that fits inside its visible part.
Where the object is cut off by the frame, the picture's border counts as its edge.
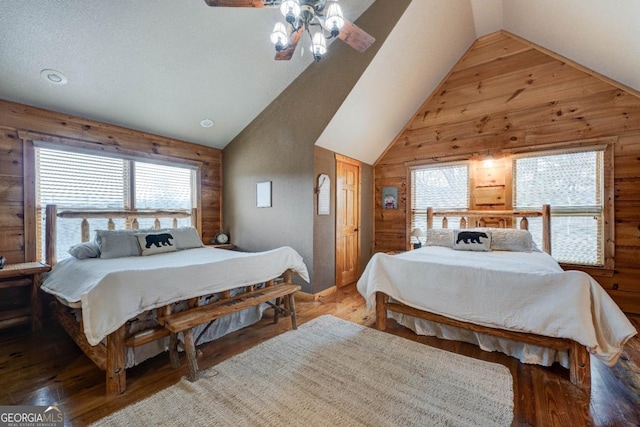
(206, 123)
(53, 77)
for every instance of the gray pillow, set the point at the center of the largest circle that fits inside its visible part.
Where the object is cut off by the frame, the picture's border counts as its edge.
(511, 239)
(185, 237)
(117, 243)
(441, 237)
(468, 240)
(85, 250)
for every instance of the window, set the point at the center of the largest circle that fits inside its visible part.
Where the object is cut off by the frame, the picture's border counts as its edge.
(572, 183)
(443, 187)
(78, 180)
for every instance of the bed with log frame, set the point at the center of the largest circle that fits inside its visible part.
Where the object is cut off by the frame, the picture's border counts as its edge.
(388, 302)
(109, 354)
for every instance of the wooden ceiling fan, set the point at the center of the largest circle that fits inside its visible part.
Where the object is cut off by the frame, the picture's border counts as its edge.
(303, 15)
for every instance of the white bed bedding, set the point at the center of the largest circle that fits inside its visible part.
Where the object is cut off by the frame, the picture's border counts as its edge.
(517, 291)
(112, 291)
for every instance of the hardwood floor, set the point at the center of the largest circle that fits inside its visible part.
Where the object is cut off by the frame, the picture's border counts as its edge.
(47, 368)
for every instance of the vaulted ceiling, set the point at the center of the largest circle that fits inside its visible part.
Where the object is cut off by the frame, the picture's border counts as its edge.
(163, 66)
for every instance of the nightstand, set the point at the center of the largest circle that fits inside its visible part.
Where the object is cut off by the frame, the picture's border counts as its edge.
(225, 246)
(31, 273)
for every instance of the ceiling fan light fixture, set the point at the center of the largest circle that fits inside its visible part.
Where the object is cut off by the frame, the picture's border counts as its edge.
(279, 36)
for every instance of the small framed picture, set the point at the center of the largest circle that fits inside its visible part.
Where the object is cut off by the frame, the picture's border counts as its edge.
(389, 197)
(263, 194)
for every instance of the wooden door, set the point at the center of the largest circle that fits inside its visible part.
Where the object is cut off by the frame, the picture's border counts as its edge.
(347, 221)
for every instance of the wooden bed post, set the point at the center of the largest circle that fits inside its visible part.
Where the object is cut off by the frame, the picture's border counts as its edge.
(546, 228)
(381, 311)
(116, 372)
(50, 234)
(580, 366)
(288, 276)
(429, 218)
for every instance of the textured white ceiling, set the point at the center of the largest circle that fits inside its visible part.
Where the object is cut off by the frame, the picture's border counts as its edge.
(162, 66)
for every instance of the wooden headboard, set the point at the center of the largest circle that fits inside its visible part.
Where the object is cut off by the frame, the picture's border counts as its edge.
(132, 217)
(477, 218)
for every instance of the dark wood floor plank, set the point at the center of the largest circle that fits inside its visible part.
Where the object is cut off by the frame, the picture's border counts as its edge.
(48, 368)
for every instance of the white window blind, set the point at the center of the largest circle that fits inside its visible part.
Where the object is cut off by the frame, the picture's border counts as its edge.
(162, 187)
(572, 183)
(73, 180)
(444, 187)
(80, 180)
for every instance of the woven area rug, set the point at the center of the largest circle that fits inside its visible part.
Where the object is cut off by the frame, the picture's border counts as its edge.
(333, 372)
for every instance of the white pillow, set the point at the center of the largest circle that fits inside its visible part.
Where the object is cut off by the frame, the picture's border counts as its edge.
(85, 250)
(117, 243)
(156, 243)
(468, 240)
(441, 237)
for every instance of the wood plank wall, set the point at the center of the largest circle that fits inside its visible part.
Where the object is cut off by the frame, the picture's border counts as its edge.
(16, 118)
(505, 94)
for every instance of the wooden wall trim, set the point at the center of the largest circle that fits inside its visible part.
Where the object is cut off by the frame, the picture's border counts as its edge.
(97, 148)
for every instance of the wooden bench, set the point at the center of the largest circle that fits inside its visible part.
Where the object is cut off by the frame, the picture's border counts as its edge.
(184, 321)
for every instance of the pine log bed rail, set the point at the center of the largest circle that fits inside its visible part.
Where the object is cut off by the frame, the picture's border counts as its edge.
(579, 358)
(110, 354)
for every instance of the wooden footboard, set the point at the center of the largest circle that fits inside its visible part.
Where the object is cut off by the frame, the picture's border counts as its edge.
(579, 359)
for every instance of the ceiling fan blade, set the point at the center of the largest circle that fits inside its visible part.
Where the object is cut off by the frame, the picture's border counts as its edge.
(355, 36)
(236, 3)
(287, 54)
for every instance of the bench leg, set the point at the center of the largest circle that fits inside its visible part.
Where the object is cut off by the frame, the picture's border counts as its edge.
(276, 312)
(291, 303)
(173, 351)
(190, 349)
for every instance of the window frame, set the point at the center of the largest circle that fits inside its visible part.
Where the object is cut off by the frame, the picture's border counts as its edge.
(31, 140)
(606, 146)
(433, 164)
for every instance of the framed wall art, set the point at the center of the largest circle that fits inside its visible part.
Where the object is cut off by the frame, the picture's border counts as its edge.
(263, 194)
(389, 197)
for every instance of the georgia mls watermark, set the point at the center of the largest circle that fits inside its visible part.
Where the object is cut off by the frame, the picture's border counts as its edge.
(31, 416)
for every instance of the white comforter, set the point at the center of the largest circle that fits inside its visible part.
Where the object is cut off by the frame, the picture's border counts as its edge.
(518, 291)
(112, 291)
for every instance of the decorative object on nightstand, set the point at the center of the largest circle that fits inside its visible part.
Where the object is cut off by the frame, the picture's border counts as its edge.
(2, 261)
(417, 233)
(31, 274)
(221, 238)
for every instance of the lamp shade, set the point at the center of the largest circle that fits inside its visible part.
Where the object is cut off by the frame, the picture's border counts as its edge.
(290, 7)
(279, 35)
(334, 19)
(417, 232)
(319, 47)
